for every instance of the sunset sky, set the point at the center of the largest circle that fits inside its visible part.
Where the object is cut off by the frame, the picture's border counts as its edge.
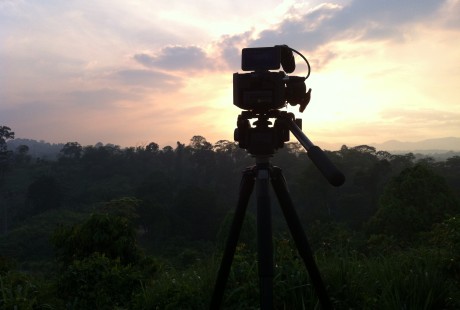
(133, 72)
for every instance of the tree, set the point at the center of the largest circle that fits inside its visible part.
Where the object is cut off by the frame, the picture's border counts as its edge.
(72, 150)
(21, 155)
(450, 169)
(401, 162)
(152, 147)
(98, 282)
(5, 135)
(446, 236)
(110, 235)
(225, 146)
(44, 194)
(101, 263)
(195, 214)
(200, 143)
(412, 202)
(294, 147)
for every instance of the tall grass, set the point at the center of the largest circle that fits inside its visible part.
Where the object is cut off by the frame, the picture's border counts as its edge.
(409, 279)
(18, 291)
(412, 279)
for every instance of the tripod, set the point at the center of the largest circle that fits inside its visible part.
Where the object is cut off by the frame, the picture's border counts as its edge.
(261, 142)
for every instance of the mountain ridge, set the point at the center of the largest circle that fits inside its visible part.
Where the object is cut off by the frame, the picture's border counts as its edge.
(435, 145)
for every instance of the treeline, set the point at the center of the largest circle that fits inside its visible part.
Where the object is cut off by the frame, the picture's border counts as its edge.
(150, 213)
(194, 186)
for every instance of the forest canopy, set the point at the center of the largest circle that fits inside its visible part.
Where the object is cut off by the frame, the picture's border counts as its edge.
(143, 214)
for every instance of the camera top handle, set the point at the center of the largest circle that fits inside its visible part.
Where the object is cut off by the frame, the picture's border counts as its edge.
(287, 59)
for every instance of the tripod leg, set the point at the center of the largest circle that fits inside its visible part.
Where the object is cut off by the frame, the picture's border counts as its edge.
(264, 236)
(246, 187)
(300, 239)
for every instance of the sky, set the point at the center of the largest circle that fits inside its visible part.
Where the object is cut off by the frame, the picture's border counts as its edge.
(135, 72)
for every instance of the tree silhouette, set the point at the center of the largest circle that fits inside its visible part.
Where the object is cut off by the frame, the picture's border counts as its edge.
(21, 155)
(412, 202)
(44, 194)
(152, 147)
(100, 261)
(110, 235)
(72, 150)
(5, 135)
(200, 143)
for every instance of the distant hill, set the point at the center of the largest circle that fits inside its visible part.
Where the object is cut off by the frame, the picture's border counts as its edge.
(429, 146)
(37, 149)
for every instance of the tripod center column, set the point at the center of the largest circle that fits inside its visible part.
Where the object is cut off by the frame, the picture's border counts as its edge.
(264, 234)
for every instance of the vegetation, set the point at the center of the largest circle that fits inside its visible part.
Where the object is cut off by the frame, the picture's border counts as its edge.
(102, 227)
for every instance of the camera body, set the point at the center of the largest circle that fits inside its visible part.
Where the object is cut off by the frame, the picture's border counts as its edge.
(259, 91)
(263, 90)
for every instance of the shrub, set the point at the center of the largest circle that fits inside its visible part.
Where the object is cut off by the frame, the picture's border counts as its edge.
(19, 291)
(97, 282)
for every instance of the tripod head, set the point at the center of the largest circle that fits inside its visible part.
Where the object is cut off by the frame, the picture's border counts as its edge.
(263, 141)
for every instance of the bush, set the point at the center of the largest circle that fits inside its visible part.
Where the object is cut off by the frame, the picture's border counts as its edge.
(174, 289)
(112, 236)
(411, 203)
(446, 237)
(97, 282)
(406, 280)
(19, 291)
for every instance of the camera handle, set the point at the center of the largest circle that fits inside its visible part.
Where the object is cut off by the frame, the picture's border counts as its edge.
(334, 176)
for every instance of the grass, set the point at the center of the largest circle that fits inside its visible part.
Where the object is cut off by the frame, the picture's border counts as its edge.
(411, 279)
(406, 279)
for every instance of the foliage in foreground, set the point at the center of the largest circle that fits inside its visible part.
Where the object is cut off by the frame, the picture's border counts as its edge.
(412, 278)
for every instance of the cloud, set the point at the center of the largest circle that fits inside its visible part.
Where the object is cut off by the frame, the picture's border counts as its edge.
(175, 114)
(360, 20)
(230, 48)
(307, 31)
(176, 58)
(423, 117)
(451, 12)
(376, 20)
(100, 98)
(390, 12)
(34, 115)
(149, 79)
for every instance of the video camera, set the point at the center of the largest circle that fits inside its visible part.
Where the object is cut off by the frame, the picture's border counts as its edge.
(263, 90)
